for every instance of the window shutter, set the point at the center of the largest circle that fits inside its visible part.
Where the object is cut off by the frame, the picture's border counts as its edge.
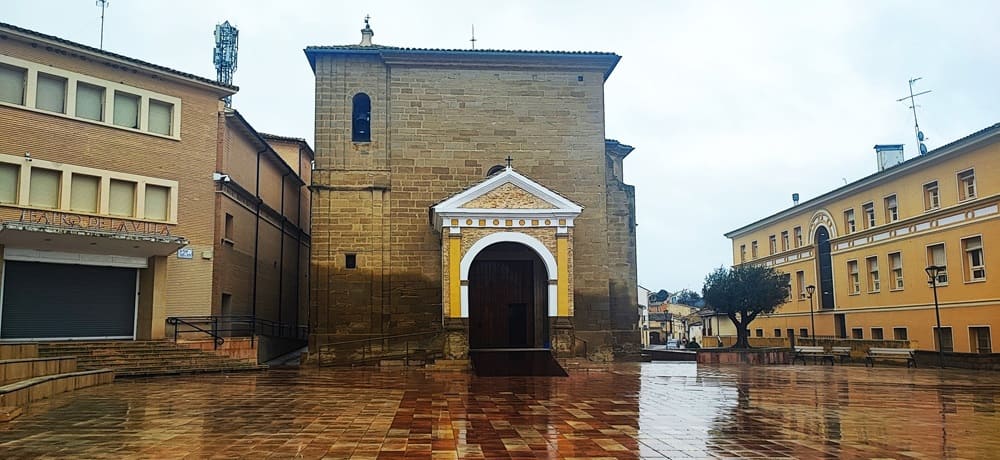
(43, 191)
(122, 198)
(84, 192)
(157, 199)
(51, 93)
(126, 110)
(12, 84)
(89, 102)
(9, 174)
(160, 116)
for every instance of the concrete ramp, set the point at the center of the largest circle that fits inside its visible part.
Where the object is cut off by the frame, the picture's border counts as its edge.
(510, 362)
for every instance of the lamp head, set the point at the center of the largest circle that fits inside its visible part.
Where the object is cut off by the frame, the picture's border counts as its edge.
(810, 289)
(932, 271)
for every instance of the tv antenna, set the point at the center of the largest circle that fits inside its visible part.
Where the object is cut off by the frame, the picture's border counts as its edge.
(224, 56)
(473, 40)
(913, 106)
(103, 4)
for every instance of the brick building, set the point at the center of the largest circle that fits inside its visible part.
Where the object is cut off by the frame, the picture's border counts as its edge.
(421, 226)
(115, 175)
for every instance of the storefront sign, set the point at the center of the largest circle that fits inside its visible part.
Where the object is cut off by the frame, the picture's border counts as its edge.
(61, 219)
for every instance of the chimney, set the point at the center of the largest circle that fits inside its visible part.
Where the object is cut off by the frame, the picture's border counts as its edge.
(795, 199)
(889, 155)
(366, 34)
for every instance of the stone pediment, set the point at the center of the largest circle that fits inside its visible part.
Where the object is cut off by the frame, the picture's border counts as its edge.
(506, 195)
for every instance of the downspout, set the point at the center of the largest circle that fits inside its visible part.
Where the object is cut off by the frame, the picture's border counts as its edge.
(256, 237)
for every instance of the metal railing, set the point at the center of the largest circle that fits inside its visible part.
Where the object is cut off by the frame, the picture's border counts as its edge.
(371, 353)
(221, 327)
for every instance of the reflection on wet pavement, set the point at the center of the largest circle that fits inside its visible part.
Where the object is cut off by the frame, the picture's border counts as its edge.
(651, 410)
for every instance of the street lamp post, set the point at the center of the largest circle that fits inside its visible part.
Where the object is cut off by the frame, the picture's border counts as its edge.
(810, 289)
(932, 272)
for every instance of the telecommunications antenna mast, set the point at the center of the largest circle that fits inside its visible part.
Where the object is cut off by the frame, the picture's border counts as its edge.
(103, 4)
(913, 106)
(224, 57)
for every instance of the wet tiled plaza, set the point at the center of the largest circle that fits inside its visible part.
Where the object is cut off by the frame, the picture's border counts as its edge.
(651, 410)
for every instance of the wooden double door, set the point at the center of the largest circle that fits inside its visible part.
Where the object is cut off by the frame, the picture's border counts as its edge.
(504, 305)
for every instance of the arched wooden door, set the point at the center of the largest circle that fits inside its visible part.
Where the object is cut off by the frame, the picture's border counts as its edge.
(507, 298)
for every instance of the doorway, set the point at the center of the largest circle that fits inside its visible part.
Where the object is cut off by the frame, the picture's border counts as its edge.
(507, 299)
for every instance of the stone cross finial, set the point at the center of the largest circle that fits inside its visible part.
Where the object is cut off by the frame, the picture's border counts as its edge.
(509, 161)
(367, 33)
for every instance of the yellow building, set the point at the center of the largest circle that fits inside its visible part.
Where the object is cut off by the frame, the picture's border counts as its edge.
(865, 247)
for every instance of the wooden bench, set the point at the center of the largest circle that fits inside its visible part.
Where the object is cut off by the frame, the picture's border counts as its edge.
(844, 353)
(816, 352)
(890, 353)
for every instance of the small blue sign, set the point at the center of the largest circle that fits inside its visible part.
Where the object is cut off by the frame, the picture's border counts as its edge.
(185, 253)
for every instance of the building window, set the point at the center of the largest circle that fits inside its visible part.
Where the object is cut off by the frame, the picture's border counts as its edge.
(753, 249)
(227, 233)
(891, 209)
(798, 236)
(966, 185)
(89, 101)
(946, 343)
(84, 192)
(126, 110)
(932, 197)
(979, 339)
(50, 93)
(759, 333)
(877, 333)
(350, 261)
(43, 190)
(899, 333)
(849, 221)
(743, 253)
(803, 332)
(157, 202)
(936, 256)
(161, 117)
(772, 244)
(874, 284)
(777, 332)
(975, 267)
(800, 283)
(10, 175)
(361, 118)
(896, 262)
(784, 240)
(121, 198)
(868, 209)
(857, 333)
(852, 274)
(12, 83)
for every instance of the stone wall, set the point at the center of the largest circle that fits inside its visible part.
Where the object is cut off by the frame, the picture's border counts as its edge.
(436, 132)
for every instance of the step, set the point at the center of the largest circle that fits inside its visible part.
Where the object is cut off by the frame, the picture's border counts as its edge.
(19, 394)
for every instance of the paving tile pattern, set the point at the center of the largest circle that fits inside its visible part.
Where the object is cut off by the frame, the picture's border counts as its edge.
(651, 410)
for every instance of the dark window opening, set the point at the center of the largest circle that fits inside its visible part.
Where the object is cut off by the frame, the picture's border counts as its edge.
(495, 169)
(351, 261)
(361, 118)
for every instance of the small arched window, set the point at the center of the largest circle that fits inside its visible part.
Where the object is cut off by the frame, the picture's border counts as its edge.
(361, 118)
(494, 170)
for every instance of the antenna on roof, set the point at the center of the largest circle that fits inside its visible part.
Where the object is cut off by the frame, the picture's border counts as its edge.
(103, 4)
(913, 106)
(225, 53)
(473, 40)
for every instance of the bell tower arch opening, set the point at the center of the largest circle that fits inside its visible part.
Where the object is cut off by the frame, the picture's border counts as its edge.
(824, 266)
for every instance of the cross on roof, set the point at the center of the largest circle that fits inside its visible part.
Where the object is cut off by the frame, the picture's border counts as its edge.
(509, 161)
(367, 17)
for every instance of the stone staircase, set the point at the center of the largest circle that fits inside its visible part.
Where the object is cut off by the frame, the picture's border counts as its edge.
(25, 377)
(129, 358)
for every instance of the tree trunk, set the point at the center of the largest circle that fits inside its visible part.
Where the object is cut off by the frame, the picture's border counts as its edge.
(742, 337)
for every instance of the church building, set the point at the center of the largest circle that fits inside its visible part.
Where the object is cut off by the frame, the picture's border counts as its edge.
(468, 200)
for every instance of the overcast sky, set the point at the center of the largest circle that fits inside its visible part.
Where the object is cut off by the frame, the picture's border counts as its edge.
(732, 106)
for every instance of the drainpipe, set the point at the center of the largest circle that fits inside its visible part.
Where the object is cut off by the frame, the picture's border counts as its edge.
(256, 237)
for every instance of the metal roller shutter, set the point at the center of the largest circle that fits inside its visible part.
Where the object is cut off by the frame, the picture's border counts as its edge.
(43, 300)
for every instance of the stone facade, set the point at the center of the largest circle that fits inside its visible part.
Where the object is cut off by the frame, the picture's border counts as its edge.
(439, 122)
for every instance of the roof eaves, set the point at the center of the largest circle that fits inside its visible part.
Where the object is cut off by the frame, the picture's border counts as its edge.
(262, 141)
(957, 145)
(31, 34)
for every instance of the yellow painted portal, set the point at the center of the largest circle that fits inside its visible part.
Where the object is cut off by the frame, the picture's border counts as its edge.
(562, 261)
(455, 276)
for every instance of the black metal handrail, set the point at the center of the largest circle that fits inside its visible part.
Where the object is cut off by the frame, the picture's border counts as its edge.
(236, 326)
(368, 354)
